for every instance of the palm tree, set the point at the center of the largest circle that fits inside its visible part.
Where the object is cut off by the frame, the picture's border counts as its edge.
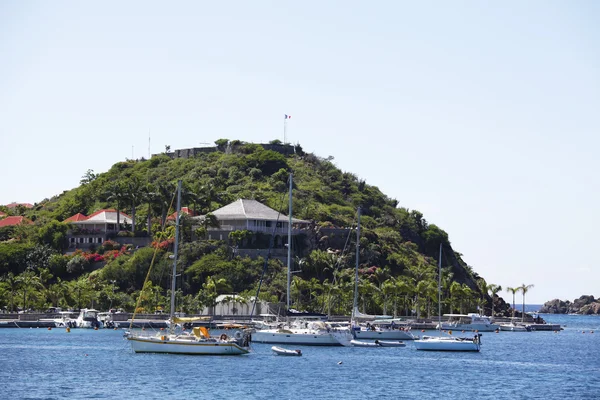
(12, 283)
(524, 289)
(513, 291)
(493, 289)
(29, 281)
(134, 192)
(116, 194)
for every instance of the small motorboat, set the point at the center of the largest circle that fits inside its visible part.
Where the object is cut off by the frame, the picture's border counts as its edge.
(390, 343)
(280, 351)
(358, 343)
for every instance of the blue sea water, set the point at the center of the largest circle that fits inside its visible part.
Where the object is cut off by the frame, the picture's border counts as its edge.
(42, 364)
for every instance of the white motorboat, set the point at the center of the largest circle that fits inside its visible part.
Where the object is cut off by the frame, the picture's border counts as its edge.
(300, 332)
(316, 333)
(512, 327)
(469, 322)
(88, 318)
(374, 331)
(199, 341)
(280, 351)
(446, 343)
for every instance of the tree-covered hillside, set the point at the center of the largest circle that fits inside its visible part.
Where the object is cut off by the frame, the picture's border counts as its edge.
(398, 256)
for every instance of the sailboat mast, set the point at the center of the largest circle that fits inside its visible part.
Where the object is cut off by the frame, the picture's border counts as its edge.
(173, 281)
(355, 302)
(440, 290)
(289, 249)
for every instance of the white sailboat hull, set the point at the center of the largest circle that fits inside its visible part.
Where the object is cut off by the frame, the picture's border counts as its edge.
(273, 336)
(470, 327)
(206, 348)
(446, 344)
(394, 334)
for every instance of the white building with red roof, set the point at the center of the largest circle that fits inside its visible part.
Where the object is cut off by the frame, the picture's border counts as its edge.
(95, 228)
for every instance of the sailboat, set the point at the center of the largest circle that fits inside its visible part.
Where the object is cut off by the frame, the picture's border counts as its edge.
(446, 343)
(372, 331)
(300, 332)
(197, 342)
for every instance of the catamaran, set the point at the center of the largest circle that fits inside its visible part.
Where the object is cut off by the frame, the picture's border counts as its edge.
(197, 342)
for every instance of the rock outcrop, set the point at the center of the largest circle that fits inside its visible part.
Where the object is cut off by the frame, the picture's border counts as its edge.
(582, 305)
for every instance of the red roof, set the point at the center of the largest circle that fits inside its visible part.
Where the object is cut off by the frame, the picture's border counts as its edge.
(11, 221)
(14, 205)
(106, 210)
(184, 210)
(80, 217)
(76, 217)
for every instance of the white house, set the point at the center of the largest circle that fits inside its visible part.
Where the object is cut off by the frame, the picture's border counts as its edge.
(95, 228)
(251, 215)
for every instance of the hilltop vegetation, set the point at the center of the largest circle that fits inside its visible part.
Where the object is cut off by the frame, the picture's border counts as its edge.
(398, 259)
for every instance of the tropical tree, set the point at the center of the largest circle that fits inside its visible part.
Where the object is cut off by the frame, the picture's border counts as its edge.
(513, 291)
(29, 282)
(494, 289)
(117, 195)
(12, 284)
(134, 191)
(524, 289)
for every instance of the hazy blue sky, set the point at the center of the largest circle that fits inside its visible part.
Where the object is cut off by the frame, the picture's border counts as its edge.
(482, 115)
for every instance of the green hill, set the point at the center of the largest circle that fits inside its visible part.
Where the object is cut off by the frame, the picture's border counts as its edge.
(399, 248)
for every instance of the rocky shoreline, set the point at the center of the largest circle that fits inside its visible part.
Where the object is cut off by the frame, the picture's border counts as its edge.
(585, 305)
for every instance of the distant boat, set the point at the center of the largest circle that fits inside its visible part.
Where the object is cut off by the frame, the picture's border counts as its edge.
(373, 330)
(300, 331)
(280, 351)
(446, 343)
(199, 341)
(88, 318)
(512, 327)
(469, 322)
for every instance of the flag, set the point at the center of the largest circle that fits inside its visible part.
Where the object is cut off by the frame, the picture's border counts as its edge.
(287, 116)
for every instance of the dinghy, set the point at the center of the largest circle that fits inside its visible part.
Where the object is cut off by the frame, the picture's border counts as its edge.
(390, 343)
(358, 343)
(280, 351)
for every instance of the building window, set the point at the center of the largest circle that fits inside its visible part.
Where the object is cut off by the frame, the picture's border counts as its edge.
(268, 224)
(72, 240)
(99, 240)
(110, 227)
(80, 240)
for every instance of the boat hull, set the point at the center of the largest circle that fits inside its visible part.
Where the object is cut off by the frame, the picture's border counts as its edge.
(151, 345)
(304, 339)
(358, 343)
(280, 351)
(513, 328)
(446, 344)
(383, 335)
(471, 327)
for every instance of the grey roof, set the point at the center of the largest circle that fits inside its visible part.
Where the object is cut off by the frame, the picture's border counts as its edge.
(244, 209)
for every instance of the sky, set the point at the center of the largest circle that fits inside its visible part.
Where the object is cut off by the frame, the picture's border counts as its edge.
(484, 116)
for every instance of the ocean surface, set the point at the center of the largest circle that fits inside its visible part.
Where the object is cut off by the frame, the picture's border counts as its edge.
(43, 364)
